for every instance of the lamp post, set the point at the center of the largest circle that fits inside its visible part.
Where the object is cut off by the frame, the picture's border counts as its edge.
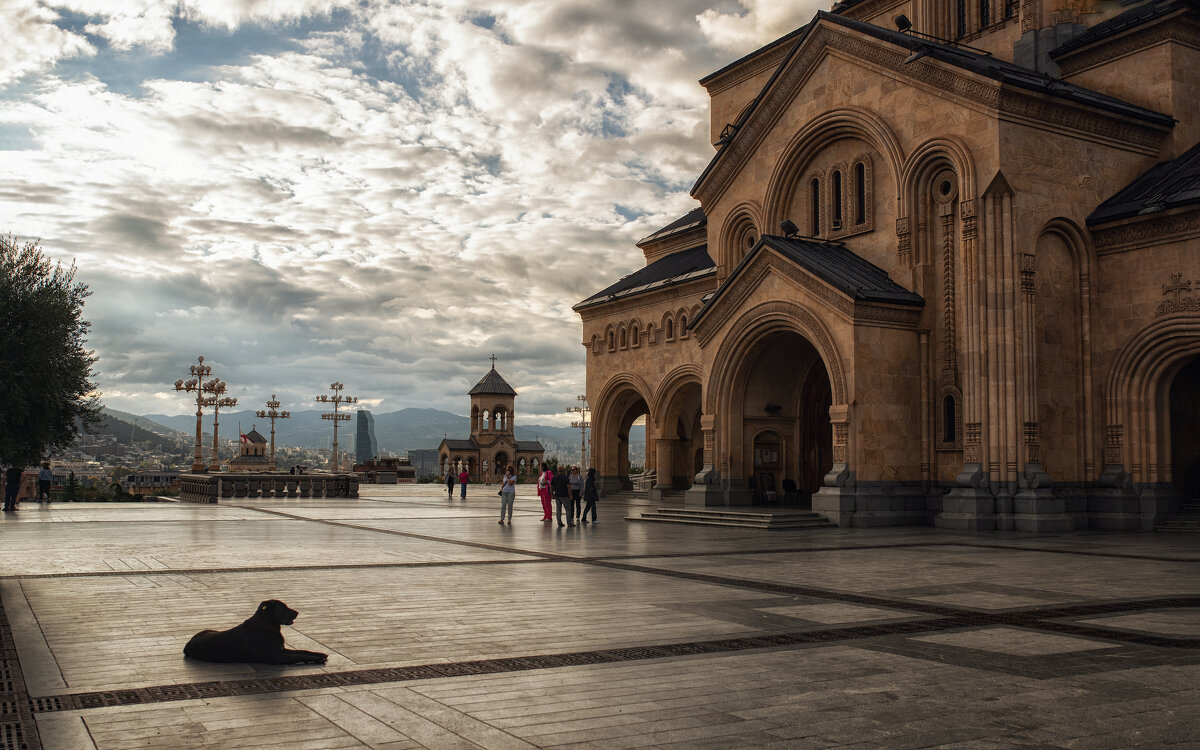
(583, 423)
(196, 383)
(272, 412)
(337, 399)
(216, 401)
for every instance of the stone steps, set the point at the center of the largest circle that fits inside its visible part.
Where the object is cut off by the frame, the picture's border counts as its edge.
(743, 519)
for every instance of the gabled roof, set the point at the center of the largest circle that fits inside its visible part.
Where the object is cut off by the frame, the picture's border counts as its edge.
(978, 63)
(1168, 184)
(529, 445)
(854, 276)
(690, 220)
(492, 384)
(255, 437)
(460, 445)
(1118, 24)
(671, 269)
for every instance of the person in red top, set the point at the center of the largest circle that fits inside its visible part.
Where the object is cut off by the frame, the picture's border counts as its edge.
(463, 479)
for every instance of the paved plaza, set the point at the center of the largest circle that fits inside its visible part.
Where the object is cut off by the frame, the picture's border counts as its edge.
(448, 630)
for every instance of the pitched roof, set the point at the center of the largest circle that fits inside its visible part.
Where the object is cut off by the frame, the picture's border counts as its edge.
(690, 220)
(255, 437)
(979, 63)
(1123, 22)
(530, 445)
(671, 269)
(831, 262)
(460, 445)
(1166, 185)
(492, 384)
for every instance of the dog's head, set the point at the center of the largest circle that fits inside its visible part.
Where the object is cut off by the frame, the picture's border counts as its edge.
(277, 612)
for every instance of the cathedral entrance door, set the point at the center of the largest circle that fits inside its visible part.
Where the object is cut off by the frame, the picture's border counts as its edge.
(1185, 416)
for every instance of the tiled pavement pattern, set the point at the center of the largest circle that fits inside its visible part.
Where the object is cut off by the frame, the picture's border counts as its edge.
(446, 630)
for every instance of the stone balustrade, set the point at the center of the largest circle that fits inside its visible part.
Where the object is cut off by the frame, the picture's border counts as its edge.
(210, 488)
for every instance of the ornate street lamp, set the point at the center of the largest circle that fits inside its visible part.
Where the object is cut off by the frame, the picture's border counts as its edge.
(582, 425)
(196, 383)
(272, 412)
(337, 399)
(217, 400)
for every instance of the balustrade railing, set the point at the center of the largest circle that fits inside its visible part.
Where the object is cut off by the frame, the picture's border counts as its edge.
(211, 488)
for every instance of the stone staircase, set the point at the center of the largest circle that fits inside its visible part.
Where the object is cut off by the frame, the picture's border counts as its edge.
(770, 520)
(1187, 520)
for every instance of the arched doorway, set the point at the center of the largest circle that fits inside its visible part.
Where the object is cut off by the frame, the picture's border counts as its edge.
(501, 463)
(618, 415)
(679, 443)
(1185, 415)
(787, 439)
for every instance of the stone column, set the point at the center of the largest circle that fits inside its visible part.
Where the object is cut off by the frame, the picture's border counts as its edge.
(837, 498)
(706, 488)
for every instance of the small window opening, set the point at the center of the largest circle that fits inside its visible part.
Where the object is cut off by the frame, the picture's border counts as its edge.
(949, 419)
(860, 193)
(816, 207)
(837, 199)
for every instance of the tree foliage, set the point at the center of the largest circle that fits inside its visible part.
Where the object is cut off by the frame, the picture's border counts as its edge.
(46, 393)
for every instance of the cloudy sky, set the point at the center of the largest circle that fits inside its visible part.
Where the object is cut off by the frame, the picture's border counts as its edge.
(379, 192)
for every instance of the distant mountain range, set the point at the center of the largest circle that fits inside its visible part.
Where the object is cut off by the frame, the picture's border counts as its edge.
(396, 432)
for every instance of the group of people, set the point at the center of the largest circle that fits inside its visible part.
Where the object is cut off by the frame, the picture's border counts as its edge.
(12, 485)
(463, 480)
(571, 492)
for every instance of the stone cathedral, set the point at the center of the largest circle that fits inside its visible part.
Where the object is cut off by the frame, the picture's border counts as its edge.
(945, 270)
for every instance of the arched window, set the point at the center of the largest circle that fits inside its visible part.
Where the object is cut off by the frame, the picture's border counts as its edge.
(670, 329)
(860, 193)
(634, 336)
(985, 13)
(835, 195)
(961, 7)
(682, 326)
(611, 341)
(949, 419)
(623, 341)
(815, 208)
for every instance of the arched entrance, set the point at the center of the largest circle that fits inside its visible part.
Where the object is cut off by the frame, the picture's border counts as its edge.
(616, 414)
(1185, 415)
(679, 443)
(786, 438)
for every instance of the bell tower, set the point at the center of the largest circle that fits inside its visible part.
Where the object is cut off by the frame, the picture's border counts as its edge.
(492, 405)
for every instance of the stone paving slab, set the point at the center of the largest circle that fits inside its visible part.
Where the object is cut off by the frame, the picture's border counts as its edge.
(447, 630)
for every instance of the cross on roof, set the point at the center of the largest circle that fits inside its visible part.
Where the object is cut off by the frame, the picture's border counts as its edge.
(493, 361)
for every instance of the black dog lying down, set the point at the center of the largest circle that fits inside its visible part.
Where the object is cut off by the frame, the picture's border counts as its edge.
(255, 640)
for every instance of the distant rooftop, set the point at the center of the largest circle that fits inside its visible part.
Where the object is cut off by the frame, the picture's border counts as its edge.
(493, 384)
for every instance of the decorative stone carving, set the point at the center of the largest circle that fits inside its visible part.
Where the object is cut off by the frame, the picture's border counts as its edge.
(1113, 437)
(1028, 271)
(1177, 303)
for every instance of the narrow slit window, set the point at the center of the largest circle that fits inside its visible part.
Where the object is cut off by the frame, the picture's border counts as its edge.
(949, 419)
(836, 197)
(816, 207)
(860, 193)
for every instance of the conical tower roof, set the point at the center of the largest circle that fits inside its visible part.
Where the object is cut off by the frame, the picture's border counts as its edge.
(492, 384)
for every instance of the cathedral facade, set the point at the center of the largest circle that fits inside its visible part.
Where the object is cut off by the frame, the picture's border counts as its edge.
(940, 274)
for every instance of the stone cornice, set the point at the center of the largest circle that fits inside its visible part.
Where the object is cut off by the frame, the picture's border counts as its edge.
(1145, 231)
(697, 288)
(938, 78)
(738, 72)
(674, 243)
(1169, 28)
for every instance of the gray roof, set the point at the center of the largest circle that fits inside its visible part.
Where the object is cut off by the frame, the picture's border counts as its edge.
(831, 262)
(1123, 22)
(671, 269)
(255, 437)
(1168, 184)
(690, 220)
(530, 445)
(460, 445)
(492, 383)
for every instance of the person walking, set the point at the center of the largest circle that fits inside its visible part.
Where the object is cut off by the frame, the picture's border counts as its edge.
(544, 492)
(45, 479)
(576, 482)
(449, 484)
(590, 496)
(508, 492)
(12, 485)
(561, 486)
(463, 480)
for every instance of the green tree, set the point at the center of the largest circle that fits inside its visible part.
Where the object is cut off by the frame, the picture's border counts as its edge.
(46, 393)
(71, 490)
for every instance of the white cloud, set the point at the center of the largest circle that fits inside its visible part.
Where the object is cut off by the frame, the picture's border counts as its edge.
(386, 203)
(32, 43)
(761, 22)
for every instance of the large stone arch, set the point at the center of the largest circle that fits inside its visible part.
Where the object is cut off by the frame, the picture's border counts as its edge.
(722, 398)
(622, 395)
(1137, 398)
(676, 414)
(849, 122)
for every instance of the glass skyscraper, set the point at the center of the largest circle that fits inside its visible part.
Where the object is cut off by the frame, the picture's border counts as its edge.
(365, 447)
